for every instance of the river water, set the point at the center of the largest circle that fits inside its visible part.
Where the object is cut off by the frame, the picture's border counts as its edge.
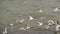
(11, 10)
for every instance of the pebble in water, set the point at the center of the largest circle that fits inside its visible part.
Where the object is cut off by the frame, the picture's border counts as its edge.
(22, 28)
(40, 10)
(51, 22)
(31, 18)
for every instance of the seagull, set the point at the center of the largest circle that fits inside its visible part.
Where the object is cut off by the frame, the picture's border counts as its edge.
(22, 20)
(40, 10)
(27, 27)
(57, 26)
(11, 24)
(31, 18)
(40, 23)
(5, 31)
(56, 9)
(22, 28)
(51, 22)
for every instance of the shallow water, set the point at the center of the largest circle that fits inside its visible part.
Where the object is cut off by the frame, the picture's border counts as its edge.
(11, 10)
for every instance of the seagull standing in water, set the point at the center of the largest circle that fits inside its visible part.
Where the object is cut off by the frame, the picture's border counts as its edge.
(40, 23)
(22, 20)
(40, 10)
(45, 26)
(27, 27)
(57, 26)
(11, 24)
(5, 32)
(50, 22)
(57, 9)
(31, 18)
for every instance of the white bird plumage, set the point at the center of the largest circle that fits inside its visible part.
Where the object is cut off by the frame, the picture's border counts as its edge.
(50, 22)
(40, 10)
(56, 9)
(40, 23)
(57, 26)
(27, 27)
(5, 31)
(31, 18)
(11, 24)
(22, 20)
